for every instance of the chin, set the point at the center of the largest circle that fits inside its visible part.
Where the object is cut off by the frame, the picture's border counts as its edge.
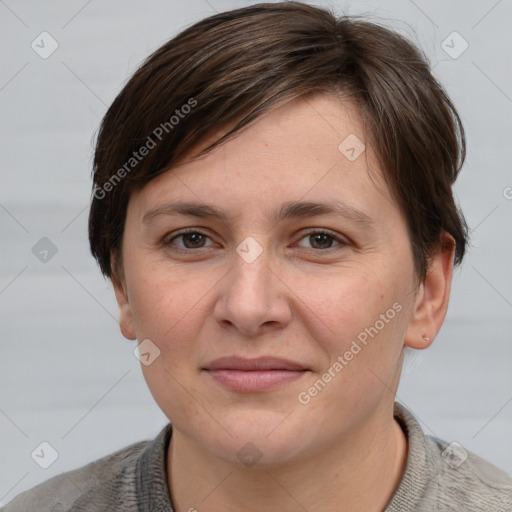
(259, 439)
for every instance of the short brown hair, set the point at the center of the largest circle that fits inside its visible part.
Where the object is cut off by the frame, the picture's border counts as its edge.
(230, 68)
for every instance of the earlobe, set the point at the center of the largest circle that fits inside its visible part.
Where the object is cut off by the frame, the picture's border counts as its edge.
(432, 298)
(125, 311)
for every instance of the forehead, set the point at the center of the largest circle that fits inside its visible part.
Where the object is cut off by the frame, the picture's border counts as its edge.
(312, 149)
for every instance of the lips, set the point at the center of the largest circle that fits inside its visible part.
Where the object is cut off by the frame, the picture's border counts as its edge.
(261, 363)
(254, 375)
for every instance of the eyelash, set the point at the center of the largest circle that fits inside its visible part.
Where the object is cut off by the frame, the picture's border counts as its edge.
(168, 242)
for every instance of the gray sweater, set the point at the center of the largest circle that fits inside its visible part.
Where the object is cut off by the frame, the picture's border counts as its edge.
(439, 477)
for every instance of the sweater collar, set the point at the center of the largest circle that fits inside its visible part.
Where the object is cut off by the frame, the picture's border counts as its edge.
(420, 466)
(151, 486)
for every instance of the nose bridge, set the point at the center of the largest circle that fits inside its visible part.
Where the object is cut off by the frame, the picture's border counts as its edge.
(251, 267)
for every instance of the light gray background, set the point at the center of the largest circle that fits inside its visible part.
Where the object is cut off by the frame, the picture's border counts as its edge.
(68, 377)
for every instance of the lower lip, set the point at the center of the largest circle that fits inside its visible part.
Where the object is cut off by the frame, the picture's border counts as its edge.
(255, 380)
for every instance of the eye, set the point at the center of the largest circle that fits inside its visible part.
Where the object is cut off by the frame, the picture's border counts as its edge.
(192, 239)
(322, 239)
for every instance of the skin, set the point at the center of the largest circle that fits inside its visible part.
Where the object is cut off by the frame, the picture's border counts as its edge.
(304, 298)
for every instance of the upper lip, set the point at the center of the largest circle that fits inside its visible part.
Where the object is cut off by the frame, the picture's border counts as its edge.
(260, 363)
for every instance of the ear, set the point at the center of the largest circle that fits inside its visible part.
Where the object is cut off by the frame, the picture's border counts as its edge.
(125, 311)
(432, 297)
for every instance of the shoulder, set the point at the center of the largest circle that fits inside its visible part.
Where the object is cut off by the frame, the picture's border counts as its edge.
(465, 481)
(105, 476)
(445, 476)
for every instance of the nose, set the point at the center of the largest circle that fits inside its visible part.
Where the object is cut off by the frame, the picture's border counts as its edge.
(253, 296)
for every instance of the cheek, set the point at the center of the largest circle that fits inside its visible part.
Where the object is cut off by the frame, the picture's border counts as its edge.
(163, 298)
(168, 309)
(363, 343)
(342, 306)
(360, 318)
(170, 306)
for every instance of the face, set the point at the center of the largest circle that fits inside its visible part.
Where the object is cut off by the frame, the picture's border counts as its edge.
(327, 293)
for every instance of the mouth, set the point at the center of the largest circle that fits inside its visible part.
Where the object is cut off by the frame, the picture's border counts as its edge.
(254, 375)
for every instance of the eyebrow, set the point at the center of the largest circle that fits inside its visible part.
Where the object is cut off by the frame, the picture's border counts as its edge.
(288, 210)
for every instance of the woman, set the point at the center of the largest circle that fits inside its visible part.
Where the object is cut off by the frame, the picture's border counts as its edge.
(273, 203)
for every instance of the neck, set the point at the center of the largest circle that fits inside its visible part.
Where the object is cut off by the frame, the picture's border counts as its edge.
(360, 473)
